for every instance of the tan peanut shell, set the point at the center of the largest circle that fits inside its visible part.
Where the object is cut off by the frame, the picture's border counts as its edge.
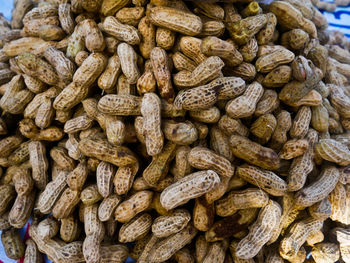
(254, 153)
(137, 203)
(319, 189)
(236, 200)
(202, 158)
(191, 186)
(135, 229)
(165, 248)
(267, 180)
(175, 19)
(165, 226)
(13, 245)
(260, 232)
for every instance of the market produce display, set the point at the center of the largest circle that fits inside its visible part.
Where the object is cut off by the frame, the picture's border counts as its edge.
(198, 131)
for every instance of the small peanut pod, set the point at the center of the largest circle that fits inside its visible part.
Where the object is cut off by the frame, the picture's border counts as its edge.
(146, 82)
(66, 204)
(182, 62)
(201, 248)
(315, 238)
(123, 105)
(293, 148)
(266, 34)
(90, 195)
(32, 253)
(339, 199)
(109, 77)
(128, 62)
(135, 204)
(333, 151)
(206, 71)
(184, 255)
(23, 181)
(92, 248)
(12, 243)
(165, 38)
(319, 189)
(104, 177)
(7, 194)
(113, 253)
(216, 252)
(220, 144)
(181, 133)
(267, 180)
(48, 228)
(278, 77)
(4, 221)
(107, 207)
(92, 225)
(70, 229)
(326, 252)
(83, 78)
(270, 61)
(64, 67)
(167, 247)
(160, 62)
(254, 153)
(189, 187)
(213, 46)
(199, 98)
(44, 114)
(20, 155)
(102, 150)
(202, 158)
(77, 177)
(66, 18)
(61, 158)
(260, 232)
(51, 193)
(321, 210)
(175, 19)
(77, 124)
(284, 123)
(120, 31)
(21, 210)
(159, 166)
(245, 105)
(124, 178)
(92, 36)
(36, 67)
(264, 127)
(135, 229)
(150, 110)
(244, 29)
(290, 17)
(165, 226)
(148, 41)
(191, 48)
(235, 200)
(9, 144)
(297, 235)
(301, 122)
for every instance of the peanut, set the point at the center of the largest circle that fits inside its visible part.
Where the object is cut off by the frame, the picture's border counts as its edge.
(189, 187)
(260, 232)
(235, 200)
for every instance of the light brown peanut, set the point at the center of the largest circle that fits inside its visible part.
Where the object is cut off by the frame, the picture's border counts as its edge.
(189, 187)
(235, 200)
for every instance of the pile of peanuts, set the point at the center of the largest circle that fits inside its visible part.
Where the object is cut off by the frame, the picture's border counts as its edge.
(208, 132)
